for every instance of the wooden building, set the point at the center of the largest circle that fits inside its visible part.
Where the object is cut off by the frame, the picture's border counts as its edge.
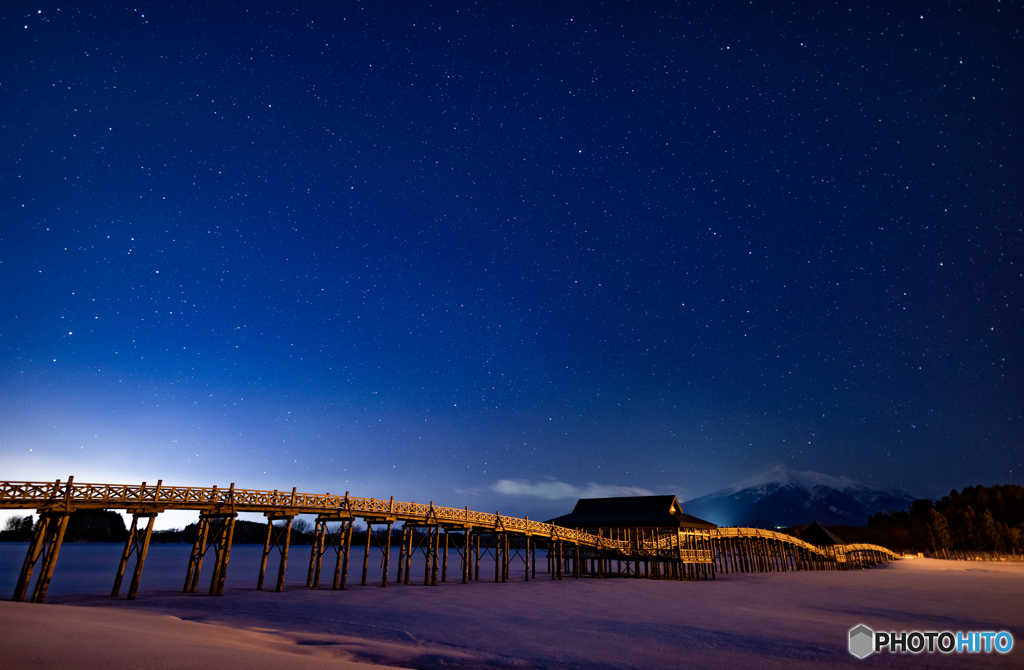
(658, 540)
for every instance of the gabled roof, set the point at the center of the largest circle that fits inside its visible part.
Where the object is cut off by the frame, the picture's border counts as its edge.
(630, 512)
(817, 534)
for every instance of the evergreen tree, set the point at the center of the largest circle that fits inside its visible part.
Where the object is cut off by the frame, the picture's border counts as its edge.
(961, 523)
(938, 531)
(1012, 537)
(990, 534)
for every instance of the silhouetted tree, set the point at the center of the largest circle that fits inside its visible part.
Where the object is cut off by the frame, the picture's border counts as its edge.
(962, 523)
(17, 529)
(938, 531)
(96, 525)
(990, 533)
(919, 512)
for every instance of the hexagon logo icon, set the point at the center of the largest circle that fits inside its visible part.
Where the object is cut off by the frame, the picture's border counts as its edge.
(862, 641)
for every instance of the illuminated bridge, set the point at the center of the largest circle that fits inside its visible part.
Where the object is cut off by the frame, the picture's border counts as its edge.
(682, 552)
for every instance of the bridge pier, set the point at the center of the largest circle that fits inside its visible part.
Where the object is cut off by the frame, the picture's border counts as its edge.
(387, 554)
(430, 557)
(366, 551)
(138, 544)
(278, 537)
(219, 537)
(465, 555)
(401, 552)
(444, 557)
(340, 541)
(45, 545)
(408, 553)
(46, 541)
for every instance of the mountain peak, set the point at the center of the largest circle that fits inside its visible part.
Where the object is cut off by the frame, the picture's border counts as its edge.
(783, 497)
(783, 476)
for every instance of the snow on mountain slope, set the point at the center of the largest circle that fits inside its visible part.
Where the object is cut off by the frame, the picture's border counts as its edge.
(782, 497)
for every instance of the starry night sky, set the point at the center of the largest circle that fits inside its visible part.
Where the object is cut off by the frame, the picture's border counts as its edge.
(502, 255)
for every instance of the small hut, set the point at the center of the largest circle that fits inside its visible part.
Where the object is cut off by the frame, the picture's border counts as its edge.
(820, 536)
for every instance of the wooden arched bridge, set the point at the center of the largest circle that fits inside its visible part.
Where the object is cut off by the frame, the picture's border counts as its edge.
(659, 553)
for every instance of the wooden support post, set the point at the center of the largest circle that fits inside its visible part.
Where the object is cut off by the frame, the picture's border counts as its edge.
(401, 553)
(387, 554)
(45, 545)
(476, 574)
(465, 556)
(283, 549)
(137, 543)
(128, 546)
(678, 538)
(496, 543)
(533, 560)
(223, 548)
(433, 555)
(506, 561)
(53, 541)
(366, 553)
(429, 540)
(316, 554)
(195, 560)
(408, 553)
(444, 558)
(140, 557)
(526, 558)
(465, 552)
(266, 552)
(34, 550)
(341, 567)
(403, 549)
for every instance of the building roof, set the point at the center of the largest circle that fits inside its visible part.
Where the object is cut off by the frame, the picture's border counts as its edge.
(630, 512)
(817, 534)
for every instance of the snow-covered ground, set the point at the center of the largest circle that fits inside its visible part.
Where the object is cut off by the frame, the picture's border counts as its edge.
(782, 620)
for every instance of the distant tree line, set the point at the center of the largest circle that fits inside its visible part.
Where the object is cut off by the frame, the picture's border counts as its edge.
(977, 519)
(85, 525)
(898, 530)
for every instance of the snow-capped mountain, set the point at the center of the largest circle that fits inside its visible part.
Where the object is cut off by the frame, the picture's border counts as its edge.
(782, 497)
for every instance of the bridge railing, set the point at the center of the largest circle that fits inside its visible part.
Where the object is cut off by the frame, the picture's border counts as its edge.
(838, 552)
(54, 495)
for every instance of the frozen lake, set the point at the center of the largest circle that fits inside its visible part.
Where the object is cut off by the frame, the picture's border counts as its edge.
(784, 620)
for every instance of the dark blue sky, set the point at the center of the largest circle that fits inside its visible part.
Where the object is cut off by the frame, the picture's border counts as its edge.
(408, 250)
